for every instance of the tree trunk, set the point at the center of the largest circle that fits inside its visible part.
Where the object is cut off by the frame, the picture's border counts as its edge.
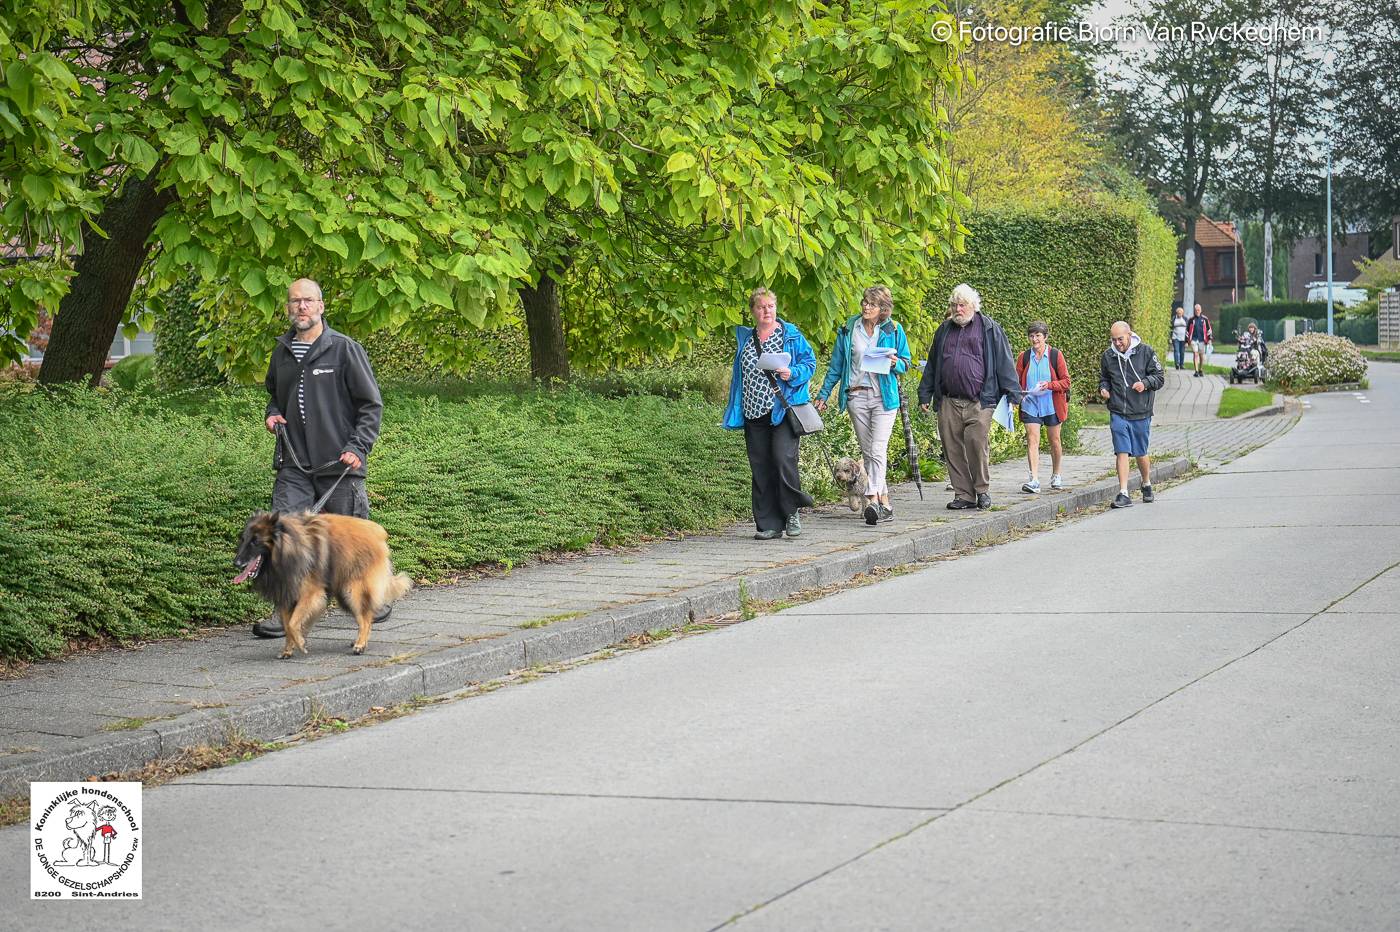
(549, 356)
(104, 276)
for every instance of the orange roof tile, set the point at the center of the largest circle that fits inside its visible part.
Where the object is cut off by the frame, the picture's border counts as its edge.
(1217, 234)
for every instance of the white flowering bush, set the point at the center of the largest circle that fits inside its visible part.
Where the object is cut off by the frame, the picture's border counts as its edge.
(1315, 359)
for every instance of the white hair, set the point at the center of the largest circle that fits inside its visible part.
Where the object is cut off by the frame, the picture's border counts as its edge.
(965, 294)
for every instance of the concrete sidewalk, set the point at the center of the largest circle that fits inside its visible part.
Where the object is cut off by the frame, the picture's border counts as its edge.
(119, 709)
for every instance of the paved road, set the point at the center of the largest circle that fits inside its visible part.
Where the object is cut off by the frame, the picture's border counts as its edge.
(1188, 721)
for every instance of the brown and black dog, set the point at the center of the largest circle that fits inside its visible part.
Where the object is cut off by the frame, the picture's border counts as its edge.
(298, 561)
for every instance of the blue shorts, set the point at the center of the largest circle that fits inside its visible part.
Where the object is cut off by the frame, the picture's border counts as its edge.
(1130, 436)
(1048, 420)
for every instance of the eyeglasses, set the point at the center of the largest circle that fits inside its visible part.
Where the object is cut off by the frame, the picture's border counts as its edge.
(293, 302)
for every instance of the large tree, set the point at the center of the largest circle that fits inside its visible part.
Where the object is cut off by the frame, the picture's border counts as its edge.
(1173, 103)
(448, 163)
(1367, 128)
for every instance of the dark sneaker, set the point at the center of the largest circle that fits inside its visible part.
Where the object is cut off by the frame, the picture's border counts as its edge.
(872, 514)
(794, 525)
(768, 535)
(1147, 495)
(984, 501)
(383, 615)
(1122, 501)
(958, 504)
(886, 513)
(269, 628)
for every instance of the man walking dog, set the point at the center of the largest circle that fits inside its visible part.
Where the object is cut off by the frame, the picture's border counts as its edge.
(326, 405)
(1129, 377)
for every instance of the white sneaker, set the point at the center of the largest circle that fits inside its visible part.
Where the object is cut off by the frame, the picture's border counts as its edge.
(1057, 481)
(1032, 486)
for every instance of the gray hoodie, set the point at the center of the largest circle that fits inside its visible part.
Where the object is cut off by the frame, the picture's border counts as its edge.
(1118, 371)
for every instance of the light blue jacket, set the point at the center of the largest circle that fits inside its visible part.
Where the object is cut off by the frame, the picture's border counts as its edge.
(888, 334)
(792, 392)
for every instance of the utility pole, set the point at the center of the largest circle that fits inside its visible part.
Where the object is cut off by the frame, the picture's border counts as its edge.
(1329, 237)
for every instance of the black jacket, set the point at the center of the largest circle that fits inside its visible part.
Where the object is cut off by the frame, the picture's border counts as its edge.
(1000, 369)
(342, 401)
(1118, 375)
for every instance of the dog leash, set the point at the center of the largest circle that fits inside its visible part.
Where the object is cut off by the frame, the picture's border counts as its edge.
(320, 502)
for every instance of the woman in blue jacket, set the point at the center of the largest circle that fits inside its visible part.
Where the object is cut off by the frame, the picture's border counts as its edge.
(758, 403)
(871, 398)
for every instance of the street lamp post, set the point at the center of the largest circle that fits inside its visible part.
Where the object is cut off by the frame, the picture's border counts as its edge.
(1329, 238)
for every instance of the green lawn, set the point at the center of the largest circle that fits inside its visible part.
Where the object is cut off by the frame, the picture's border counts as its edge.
(1239, 400)
(1381, 355)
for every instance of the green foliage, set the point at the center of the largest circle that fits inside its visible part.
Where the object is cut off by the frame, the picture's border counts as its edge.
(131, 372)
(180, 360)
(1235, 401)
(119, 511)
(1079, 269)
(1229, 315)
(1315, 359)
(423, 162)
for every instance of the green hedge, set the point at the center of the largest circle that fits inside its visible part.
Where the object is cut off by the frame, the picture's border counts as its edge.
(1229, 314)
(1079, 269)
(179, 360)
(119, 511)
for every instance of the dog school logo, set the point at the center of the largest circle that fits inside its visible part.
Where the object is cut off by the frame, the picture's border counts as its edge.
(322, 371)
(86, 839)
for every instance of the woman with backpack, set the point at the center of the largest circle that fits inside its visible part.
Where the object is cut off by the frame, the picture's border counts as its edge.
(1045, 378)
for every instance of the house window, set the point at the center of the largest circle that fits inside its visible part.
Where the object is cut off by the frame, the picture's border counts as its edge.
(1226, 269)
(1395, 239)
(1317, 264)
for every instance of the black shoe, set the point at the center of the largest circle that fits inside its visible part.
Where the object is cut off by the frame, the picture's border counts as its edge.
(383, 615)
(886, 513)
(794, 525)
(1147, 495)
(768, 535)
(984, 501)
(269, 628)
(958, 504)
(1122, 501)
(872, 514)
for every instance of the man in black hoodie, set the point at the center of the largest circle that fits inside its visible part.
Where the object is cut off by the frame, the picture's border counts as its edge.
(325, 399)
(1129, 377)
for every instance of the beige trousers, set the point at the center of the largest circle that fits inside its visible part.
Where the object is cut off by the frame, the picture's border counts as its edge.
(963, 427)
(872, 425)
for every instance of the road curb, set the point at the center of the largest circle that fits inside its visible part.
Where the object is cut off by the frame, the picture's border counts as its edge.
(354, 694)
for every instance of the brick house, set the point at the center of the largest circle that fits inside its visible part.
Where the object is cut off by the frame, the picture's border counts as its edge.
(1307, 262)
(1220, 266)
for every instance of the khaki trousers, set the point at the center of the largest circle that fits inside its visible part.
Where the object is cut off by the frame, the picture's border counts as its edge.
(963, 427)
(872, 424)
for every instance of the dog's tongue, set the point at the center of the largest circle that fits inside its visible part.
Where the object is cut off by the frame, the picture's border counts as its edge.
(248, 570)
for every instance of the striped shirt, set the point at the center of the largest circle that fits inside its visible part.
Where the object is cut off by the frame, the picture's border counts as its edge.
(299, 350)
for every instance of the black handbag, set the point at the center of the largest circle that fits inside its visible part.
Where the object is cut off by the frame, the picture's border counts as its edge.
(802, 418)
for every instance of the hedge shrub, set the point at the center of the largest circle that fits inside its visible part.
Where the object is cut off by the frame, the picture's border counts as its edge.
(1078, 268)
(1315, 359)
(1229, 314)
(119, 511)
(179, 360)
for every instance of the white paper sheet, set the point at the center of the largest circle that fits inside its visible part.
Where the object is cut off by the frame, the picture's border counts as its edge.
(877, 359)
(774, 361)
(1002, 414)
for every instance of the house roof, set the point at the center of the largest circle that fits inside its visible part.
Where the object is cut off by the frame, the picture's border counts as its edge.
(1218, 234)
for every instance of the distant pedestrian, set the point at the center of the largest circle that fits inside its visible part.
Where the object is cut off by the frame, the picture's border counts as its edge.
(1179, 337)
(1129, 377)
(871, 398)
(759, 400)
(1198, 332)
(969, 369)
(1044, 376)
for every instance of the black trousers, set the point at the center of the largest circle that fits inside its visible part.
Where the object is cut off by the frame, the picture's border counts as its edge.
(294, 490)
(777, 487)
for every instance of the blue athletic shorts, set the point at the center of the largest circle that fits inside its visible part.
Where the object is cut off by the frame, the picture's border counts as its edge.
(1130, 436)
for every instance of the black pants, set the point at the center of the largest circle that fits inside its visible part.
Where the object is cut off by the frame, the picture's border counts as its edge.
(777, 487)
(294, 490)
